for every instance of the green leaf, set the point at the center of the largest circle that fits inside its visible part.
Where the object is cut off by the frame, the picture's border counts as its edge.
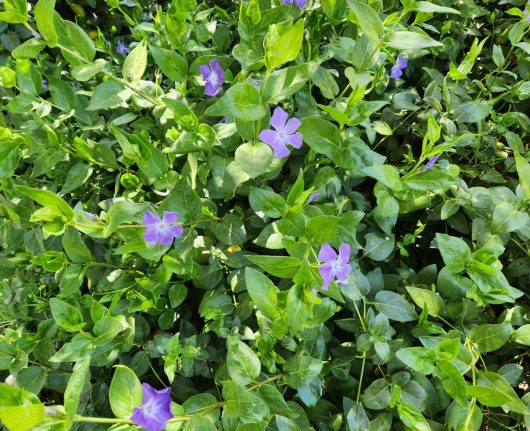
(24, 417)
(296, 309)
(412, 418)
(367, 19)
(44, 11)
(242, 362)
(283, 83)
(378, 247)
(507, 218)
(243, 405)
(452, 381)
(284, 47)
(523, 169)
(300, 370)
(420, 359)
(66, 316)
(77, 175)
(357, 419)
(497, 382)
(74, 389)
(394, 306)
(279, 266)
(321, 135)
(85, 72)
(522, 335)
(263, 292)
(455, 252)
(72, 280)
(16, 11)
(254, 158)
(386, 174)
(377, 396)
(135, 63)
(428, 7)
(426, 298)
(240, 101)
(269, 203)
(436, 178)
(491, 336)
(410, 40)
(29, 80)
(108, 94)
(471, 112)
(76, 47)
(125, 392)
(28, 49)
(322, 228)
(172, 64)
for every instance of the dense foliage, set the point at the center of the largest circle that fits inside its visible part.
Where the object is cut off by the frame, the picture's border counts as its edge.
(264, 215)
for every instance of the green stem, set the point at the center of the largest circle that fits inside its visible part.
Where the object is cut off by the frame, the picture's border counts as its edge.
(361, 378)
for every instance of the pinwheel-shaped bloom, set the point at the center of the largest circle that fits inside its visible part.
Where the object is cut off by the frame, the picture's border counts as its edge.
(284, 133)
(334, 267)
(161, 231)
(397, 69)
(299, 3)
(155, 409)
(122, 49)
(213, 76)
(431, 162)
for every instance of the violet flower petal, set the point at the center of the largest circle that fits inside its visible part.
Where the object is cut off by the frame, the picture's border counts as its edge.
(294, 140)
(327, 273)
(170, 217)
(342, 273)
(344, 253)
(327, 254)
(151, 235)
(395, 72)
(279, 118)
(280, 149)
(165, 237)
(268, 136)
(402, 62)
(176, 231)
(292, 126)
(313, 197)
(151, 219)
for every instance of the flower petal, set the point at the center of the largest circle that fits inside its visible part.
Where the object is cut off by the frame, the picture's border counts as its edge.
(327, 254)
(211, 90)
(344, 253)
(280, 149)
(216, 67)
(165, 237)
(292, 125)
(294, 140)
(342, 273)
(151, 235)
(150, 219)
(278, 119)
(327, 274)
(149, 422)
(395, 72)
(205, 71)
(313, 197)
(268, 136)
(170, 217)
(176, 231)
(402, 62)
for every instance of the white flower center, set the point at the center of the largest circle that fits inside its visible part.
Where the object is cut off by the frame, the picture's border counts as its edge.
(213, 78)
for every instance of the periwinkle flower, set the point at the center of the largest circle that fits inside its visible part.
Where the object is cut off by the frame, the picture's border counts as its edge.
(213, 76)
(89, 215)
(155, 409)
(122, 49)
(335, 267)
(432, 161)
(283, 135)
(299, 3)
(44, 85)
(526, 13)
(397, 69)
(161, 231)
(313, 197)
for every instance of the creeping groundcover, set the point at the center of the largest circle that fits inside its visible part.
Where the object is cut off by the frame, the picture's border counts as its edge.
(264, 215)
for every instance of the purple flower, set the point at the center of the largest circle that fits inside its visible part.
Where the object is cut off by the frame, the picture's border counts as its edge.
(299, 3)
(313, 197)
(122, 49)
(284, 134)
(44, 85)
(161, 231)
(213, 76)
(397, 69)
(155, 409)
(256, 83)
(334, 267)
(526, 14)
(431, 162)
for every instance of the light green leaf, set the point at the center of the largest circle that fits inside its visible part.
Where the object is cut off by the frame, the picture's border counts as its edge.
(284, 47)
(135, 63)
(240, 101)
(74, 389)
(242, 362)
(426, 298)
(507, 218)
(44, 11)
(66, 316)
(452, 381)
(254, 158)
(108, 94)
(490, 336)
(410, 40)
(263, 292)
(420, 359)
(300, 370)
(283, 83)
(125, 392)
(428, 7)
(471, 112)
(321, 135)
(367, 19)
